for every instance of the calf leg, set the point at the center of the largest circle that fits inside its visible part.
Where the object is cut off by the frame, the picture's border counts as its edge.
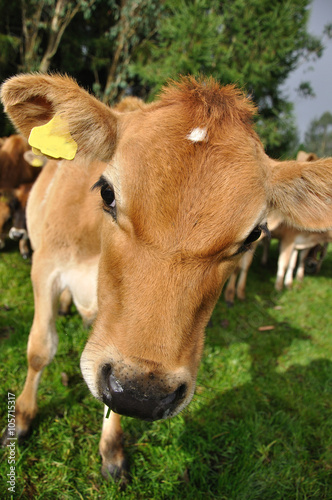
(290, 269)
(286, 249)
(301, 267)
(24, 248)
(111, 446)
(266, 248)
(230, 287)
(65, 302)
(42, 343)
(245, 266)
(322, 256)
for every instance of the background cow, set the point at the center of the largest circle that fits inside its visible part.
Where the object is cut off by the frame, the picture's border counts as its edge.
(19, 168)
(14, 169)
(291, 241)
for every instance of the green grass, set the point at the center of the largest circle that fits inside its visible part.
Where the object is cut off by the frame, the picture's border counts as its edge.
(259, 427)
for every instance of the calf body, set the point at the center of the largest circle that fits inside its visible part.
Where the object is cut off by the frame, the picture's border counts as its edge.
(182, 187)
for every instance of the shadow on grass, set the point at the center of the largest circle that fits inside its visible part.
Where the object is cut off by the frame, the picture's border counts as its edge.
(269, 438)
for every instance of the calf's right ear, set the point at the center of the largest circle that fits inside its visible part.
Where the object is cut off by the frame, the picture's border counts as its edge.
(32, 100)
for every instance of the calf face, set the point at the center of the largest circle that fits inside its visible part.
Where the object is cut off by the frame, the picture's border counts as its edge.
(170, 238)
(186, 190)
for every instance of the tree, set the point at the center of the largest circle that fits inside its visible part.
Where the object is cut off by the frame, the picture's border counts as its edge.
(40, 35)
(318, 138)
(36, 28)
(254, 43)
(114, 47)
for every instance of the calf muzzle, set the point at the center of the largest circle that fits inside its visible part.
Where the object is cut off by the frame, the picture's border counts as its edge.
(140, 399)
(18, 234)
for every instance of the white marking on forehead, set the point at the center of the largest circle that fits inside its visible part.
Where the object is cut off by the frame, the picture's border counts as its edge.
(197, 134)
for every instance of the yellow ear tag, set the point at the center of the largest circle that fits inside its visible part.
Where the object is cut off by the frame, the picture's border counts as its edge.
(53, 139)
(35, 150)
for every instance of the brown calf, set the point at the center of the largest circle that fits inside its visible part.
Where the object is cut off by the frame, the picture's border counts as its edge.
(182, 189)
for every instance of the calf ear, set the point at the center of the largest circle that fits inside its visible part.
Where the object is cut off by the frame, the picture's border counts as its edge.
(302, 193)
(32, 100)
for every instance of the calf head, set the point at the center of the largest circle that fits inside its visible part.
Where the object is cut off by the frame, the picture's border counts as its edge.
(186, 190)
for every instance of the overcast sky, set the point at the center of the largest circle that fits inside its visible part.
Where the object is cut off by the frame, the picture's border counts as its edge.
(319, 72)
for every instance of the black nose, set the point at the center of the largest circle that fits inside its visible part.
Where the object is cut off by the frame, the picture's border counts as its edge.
(139, 398)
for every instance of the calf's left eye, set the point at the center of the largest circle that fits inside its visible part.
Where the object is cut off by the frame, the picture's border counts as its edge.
(253, 236)
(107, 194)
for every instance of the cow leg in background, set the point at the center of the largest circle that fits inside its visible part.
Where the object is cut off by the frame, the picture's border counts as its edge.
(286, 248)
(266, 247)
(246, 262)
(301, 267)
(290, 269)
(65, 302)
(315, 258)
(24, 246)
(111, 446)
(43, 339)
(242, 271)
(230, 287)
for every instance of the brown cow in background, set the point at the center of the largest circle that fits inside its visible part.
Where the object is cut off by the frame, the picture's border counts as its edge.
(292, 241)
(14, 169)
(17, 175)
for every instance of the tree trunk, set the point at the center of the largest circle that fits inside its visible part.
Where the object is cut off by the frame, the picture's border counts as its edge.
(58, 25)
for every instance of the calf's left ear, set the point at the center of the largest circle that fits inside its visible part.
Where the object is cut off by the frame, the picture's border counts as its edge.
(33, 100)
(302, 193)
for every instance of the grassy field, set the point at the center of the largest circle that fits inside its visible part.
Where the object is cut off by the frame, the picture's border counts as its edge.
(259, 427)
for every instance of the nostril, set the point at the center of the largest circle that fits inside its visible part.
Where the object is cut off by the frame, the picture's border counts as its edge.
(168, 404)
(105, 374)
(181, 391)
(175, 396)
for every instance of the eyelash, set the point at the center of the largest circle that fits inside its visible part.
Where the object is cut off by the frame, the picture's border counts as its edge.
(108, 196)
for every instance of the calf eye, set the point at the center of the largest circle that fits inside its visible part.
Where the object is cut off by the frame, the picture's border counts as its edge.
(253, 236)
(108, 196)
